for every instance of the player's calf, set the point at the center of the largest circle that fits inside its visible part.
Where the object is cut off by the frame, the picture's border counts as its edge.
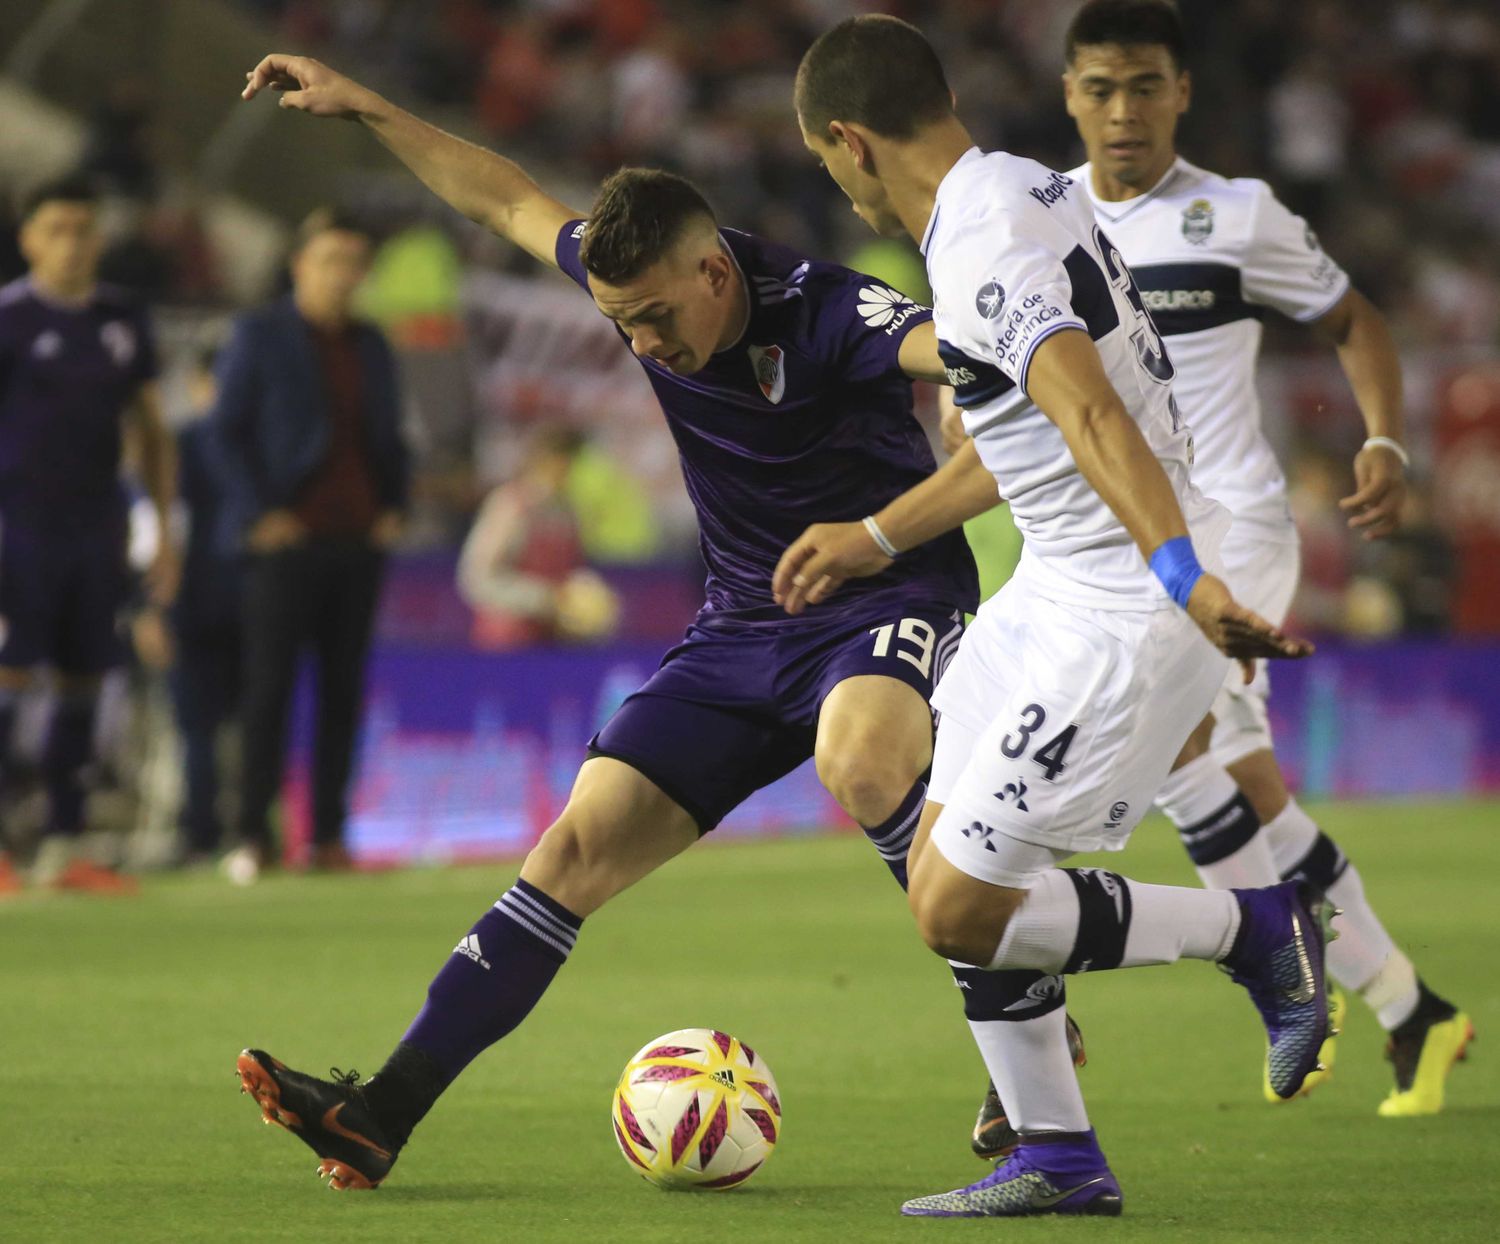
(617, 827)
(874, 743)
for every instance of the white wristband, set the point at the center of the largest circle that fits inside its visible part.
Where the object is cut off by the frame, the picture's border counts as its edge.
(880, 538)
(1396, 447)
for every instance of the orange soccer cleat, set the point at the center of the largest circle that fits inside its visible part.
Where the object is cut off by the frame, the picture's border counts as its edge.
(10, 879)
(90, 878)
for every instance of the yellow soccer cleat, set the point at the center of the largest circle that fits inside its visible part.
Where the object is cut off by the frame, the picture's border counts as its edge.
(1338, 1007)
(1423, 1051)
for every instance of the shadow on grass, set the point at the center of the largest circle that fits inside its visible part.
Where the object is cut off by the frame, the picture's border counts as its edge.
(776, 1194)
(445, 1192)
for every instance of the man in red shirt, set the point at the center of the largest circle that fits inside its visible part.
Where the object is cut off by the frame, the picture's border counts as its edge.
(309, 419)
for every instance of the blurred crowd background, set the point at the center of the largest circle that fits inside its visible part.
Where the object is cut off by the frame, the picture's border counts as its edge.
(1379, 120)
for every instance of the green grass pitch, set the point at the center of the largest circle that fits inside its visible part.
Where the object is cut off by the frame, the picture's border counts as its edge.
(120, 1021)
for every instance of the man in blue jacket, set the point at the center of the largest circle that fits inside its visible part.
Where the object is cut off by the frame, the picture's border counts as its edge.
(309, 421)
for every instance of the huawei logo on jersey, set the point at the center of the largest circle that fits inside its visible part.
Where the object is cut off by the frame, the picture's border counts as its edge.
(883, 307)
(769, 373)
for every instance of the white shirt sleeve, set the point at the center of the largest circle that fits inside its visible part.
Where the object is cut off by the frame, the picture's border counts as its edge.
(1284, 265)
(1022, 295)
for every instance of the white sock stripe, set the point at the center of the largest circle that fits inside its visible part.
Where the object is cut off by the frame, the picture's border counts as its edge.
(536, 930)
(908, 823)
(524, 909)
(897, 850)
(542, 913)
(895, 846)
(528, 905)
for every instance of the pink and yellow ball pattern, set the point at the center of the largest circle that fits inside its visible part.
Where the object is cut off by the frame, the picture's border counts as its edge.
(697, 1108)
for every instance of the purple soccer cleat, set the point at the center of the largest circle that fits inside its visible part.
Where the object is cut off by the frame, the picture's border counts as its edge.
(1278, 957)
(1052, 1175)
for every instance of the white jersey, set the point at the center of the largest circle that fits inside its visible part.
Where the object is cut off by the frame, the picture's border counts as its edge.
(1209, 254)
(1013, 256)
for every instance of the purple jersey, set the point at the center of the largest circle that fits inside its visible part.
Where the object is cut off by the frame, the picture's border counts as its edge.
(806, 419)
(67, 375)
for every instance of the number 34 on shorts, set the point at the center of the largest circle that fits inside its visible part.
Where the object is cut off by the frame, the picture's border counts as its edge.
(1031, 769)
(1052, 755)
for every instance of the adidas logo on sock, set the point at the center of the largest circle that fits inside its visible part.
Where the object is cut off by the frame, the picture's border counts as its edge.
(469, 949)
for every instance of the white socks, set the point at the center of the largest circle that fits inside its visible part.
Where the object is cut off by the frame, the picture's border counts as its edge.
(1175, 922)
(1218, 826)
(1136, 924)
(1364, 958)
(1032, 1069)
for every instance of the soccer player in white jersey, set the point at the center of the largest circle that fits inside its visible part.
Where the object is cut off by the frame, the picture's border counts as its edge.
(1210, 255)
(1081, 681)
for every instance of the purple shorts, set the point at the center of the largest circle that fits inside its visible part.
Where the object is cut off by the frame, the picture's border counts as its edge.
(60, 599)
(731, 711)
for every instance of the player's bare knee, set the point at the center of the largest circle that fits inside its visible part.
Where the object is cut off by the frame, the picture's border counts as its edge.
(954, 933)
(867, 784)
(956, 942)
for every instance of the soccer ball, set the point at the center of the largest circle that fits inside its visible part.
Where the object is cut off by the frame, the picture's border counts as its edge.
(697, 1109)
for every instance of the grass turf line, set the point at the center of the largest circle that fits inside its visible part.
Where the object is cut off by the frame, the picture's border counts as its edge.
(120, 1020)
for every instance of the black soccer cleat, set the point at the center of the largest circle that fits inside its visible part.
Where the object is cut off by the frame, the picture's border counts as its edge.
(993, 1136)
(332, 1118)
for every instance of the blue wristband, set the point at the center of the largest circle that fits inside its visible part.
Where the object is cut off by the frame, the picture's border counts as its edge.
(1176, 565)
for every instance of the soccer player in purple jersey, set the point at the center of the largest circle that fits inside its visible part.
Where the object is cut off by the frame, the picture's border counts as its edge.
(784, 382)
(77, 368)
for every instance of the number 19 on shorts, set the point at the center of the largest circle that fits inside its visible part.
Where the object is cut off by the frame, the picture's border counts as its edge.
(912, 640)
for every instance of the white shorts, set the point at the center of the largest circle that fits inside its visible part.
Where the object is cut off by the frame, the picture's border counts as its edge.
(1262, 573)
(1058, 725)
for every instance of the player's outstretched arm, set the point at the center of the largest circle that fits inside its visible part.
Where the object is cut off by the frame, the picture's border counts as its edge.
(826, 554)
(484, 186)
(1367, 353)
(1066, 379)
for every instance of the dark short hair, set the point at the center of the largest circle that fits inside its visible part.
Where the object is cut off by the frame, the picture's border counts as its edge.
(638, 216)
(876, 71)
(74, 188)
(1129, 23)
(329, 220)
